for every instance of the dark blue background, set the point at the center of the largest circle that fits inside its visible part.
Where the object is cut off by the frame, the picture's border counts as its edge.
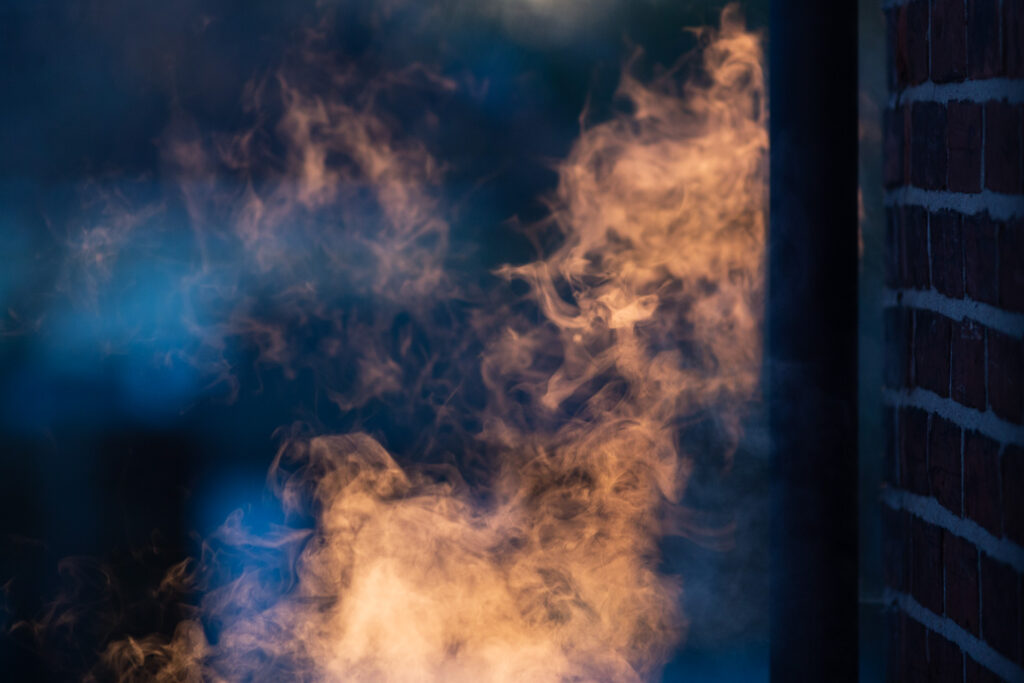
(109, 458)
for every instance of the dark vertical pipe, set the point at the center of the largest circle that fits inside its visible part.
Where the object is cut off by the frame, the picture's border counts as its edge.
(812, 333)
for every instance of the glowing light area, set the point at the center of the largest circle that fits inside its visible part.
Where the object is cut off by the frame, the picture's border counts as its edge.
(552, 19)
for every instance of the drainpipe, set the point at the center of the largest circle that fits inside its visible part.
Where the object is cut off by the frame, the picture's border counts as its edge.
(812, 340)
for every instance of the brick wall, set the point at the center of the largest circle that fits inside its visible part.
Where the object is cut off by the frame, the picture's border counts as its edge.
(953, 514)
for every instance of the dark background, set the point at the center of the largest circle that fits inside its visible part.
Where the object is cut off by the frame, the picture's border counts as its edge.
(122, 465)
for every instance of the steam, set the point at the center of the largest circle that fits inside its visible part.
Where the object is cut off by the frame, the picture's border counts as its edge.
(645, 313)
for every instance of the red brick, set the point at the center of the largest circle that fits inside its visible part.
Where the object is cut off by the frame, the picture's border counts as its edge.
(1013, 38)
(976, 673)
(947, 253)
(1011, 266)
(949, 46)
(926, 583)
(1005, 371)
(898, 328)
(893, 255)
(962, 603)
(895, 540)
(932, 334)
(944, 463)
(912, 43)
(894, 627)
(1013, 496)
(945, 660)
(983, 56)
(928, 145)
(913, 450)
(911, 652)
(897, 123)
(1000, 606)
(968, 364)
(1002, 147)
(914, 247)
(981, 481)
(892, 48)
(963, 140)
(980, 258)
(901, 61)
(891, 473)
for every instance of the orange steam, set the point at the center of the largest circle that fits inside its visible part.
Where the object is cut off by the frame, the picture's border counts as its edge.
(652, 307)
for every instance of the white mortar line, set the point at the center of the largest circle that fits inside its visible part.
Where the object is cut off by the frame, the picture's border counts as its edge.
(957, 309)
(979, 651)
(988, 423)
(931, 511)
(999, 206)
(979, 90)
